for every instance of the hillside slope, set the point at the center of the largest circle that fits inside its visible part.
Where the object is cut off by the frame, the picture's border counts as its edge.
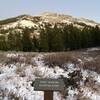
(26, 21)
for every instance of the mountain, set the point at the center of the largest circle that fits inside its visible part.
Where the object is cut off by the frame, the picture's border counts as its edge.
(48, 32)
(26, 21)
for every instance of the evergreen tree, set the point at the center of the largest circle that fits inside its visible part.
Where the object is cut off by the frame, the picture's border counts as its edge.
(11, 41)
(18, 42)
(84, 38)
(3, 44)
(35, 44)
(57, 42)
(74, 37)
(66, 35)
(26, 41)
(96, 35)
(43, 41)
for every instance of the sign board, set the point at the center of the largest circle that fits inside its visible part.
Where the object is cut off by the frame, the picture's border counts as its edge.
(48, 85)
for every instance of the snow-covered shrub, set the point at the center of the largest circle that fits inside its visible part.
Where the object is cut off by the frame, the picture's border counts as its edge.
(93, 65)
(20, 71)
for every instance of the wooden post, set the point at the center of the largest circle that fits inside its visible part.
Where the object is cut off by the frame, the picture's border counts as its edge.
(48, 95)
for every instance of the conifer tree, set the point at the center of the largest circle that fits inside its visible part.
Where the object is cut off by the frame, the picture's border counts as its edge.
(3, 44)
(26, 41)
(18, 42)
(35, 44)
(11, 41)
(57, 42)
(43, 41)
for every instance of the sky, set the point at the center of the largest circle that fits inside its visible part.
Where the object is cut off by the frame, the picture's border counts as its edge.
(78, 8)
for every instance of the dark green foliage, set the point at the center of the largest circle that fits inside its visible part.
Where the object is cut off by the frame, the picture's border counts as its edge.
(84, 38)
(10, 20)
(43, 41)
(3, 44)
(56, 41)
(26, 41)
(96, 35)
(52, 38)
(11, 41)
(74, 37)
(18, 42)
(35, 44)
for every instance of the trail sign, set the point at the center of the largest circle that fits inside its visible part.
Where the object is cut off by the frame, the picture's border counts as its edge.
(48, 86)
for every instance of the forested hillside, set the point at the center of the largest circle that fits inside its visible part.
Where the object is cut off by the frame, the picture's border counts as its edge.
(50, 39)
(48, 32)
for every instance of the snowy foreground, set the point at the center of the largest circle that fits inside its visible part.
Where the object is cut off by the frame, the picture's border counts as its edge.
(16, 79)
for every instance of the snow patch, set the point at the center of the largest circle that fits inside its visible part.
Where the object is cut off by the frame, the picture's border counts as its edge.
(27, 23)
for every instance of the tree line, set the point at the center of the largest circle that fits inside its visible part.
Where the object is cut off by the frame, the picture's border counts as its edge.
(69, 37)
(52, 39)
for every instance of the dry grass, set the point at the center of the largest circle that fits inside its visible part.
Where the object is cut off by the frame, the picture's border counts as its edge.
(61, 58)
(88, 60)
(21, 57)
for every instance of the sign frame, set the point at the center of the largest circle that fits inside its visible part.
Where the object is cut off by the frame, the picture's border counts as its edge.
(49, 85)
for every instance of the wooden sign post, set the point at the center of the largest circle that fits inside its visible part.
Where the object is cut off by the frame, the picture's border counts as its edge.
(48, 95)
(48, 86)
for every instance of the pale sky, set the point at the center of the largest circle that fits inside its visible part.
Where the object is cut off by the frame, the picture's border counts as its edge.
(78, 8)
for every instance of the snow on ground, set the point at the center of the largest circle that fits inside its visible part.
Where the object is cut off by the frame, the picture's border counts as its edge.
(10, 25)
(12, 82)
(93, 49)
(72, 94)
(16, 80)
(90, 94)
(27, 23)
(21, 23)
(87, 22)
